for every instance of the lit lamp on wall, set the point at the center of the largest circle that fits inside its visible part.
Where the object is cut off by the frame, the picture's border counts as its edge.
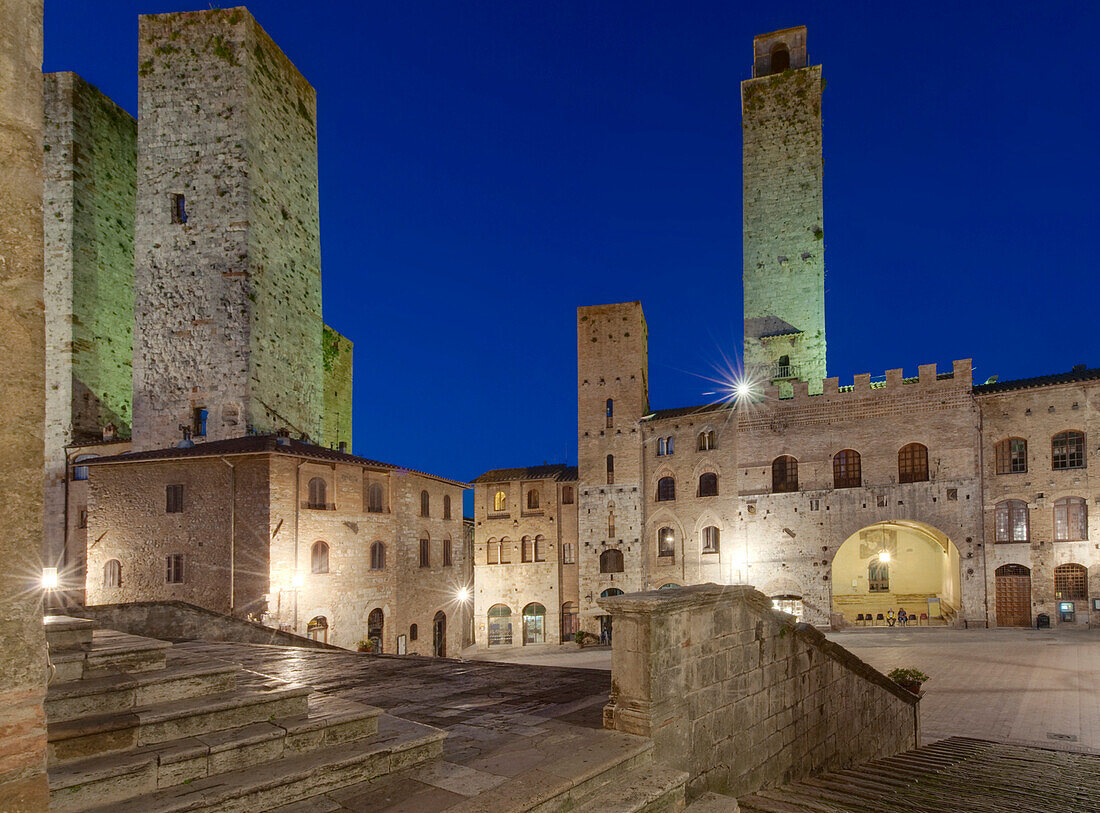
(740, 564)
(49, 578)
(884, 557)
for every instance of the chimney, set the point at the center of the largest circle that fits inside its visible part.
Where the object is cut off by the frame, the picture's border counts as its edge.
(343, 447)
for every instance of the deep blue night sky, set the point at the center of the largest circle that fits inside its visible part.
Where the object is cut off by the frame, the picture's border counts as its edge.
(487, 167)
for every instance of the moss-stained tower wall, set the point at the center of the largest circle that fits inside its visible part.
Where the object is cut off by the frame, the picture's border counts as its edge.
(337, 358)
(784, 248)
(228, 303)
(89, 151)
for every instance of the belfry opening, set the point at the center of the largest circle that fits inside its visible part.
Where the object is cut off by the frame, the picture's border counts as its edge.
(889, 567)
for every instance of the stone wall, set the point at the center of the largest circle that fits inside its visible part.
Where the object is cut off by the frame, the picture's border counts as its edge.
(179, 621)
(612, 364)
(22, 387)
(741, 697)
(784, 249)
(90, 186)
(1036, 414)
(228, 303)
(337, 362)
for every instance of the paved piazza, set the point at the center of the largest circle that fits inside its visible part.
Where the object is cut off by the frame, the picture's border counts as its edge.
(1009, 685)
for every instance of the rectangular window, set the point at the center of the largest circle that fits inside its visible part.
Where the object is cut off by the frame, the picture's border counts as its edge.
(815, 505)
(492, 554)
(174, 568)
(179, 209)
(199, 422)
(447, 553)
(174, 499)
(1067, 451)
(82, 517)
(425, 553)
(1011, 456)
(567, 554)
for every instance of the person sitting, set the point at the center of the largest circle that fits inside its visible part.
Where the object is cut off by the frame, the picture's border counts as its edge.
(890, 620)
(903, 617)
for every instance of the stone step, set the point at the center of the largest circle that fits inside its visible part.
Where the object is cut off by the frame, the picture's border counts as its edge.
(118, 777)
(565, 783)
(398, 744)
(646, 789)
(713, 803)
(64, 632)
(182, 677)
(116, 732)
(109, 651)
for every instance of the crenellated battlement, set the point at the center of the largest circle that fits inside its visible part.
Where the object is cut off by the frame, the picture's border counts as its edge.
(927, 377)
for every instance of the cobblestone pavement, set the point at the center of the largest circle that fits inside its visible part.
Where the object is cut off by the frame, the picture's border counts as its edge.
(501, 719)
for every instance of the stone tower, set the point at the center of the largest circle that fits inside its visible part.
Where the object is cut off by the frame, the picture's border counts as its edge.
(784, 248)
(89, 155)
(228, 333)
(612, 396)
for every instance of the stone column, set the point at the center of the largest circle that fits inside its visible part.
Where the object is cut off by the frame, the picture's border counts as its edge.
(22, 391)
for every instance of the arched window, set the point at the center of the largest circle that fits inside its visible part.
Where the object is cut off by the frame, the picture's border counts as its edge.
(414, 631)
(611, 561)
(528, 549)
(375, 626)
(318, 557)
(610, 412)
(610, 469)
(846, 469)
(540, 548)
(660, 447)
(446, 506)
(425, 504)
(569, 625)
(112, 574)
(707, 441)
(666, 542)
(505, 551)
(534, 624)
(374, 498)
(492, 552)
(781, 59)
(317, 629)
(1071, 582)
(913, 463)
(318, 493)
(81, 472)
(377, 556)
(878, 577)
(1011, 455)
(1071, 521)
(611, 591)
(567, 495)
(712, 539)
(533, 499)
(500, 501)
(708, 484)
(1011, 521)
(784, 474)
(500, 625)
(668, 586)
(610, 523)
(1067, 450)
(666, 489)
(670, 445)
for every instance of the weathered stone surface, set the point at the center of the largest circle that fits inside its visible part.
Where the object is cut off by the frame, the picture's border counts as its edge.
(336, 357)
(741, 698)
(22, 391)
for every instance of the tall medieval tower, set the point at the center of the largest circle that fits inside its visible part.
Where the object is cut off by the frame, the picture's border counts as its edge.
(784, 249)
(612, 396)
(228, 333)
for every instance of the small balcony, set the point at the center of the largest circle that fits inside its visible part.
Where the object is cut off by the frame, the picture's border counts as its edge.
(785, 372)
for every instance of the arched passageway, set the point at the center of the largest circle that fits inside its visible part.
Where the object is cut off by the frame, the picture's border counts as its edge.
(893, 566)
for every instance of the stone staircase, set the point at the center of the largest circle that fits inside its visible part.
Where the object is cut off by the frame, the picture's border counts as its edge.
(956, 775)
(135, 724)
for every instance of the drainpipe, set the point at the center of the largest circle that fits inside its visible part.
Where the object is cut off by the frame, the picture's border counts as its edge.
(232, 535)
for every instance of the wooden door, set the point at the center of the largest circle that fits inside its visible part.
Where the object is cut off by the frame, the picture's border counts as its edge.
(1013, 596)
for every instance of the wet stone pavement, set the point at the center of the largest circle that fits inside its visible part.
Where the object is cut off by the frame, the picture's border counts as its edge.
(501, 719)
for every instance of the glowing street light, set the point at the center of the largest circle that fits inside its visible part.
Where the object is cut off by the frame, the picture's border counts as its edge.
(884, 557)
(297, 580)
(463, 594)
(49, 578)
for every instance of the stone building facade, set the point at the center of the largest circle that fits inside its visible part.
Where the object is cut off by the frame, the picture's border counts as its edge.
(962, 503)
(300, 537)
(525, 556)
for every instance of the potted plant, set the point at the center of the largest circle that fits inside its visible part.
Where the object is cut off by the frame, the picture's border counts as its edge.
(908, 679)
(364, 646)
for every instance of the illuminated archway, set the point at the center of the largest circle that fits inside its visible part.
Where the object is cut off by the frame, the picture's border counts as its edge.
(896, 565)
